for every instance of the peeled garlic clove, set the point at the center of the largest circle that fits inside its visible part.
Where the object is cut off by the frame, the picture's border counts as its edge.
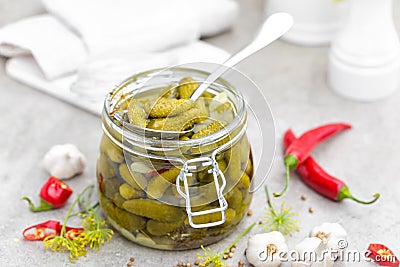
(266, 250)
(64, 161)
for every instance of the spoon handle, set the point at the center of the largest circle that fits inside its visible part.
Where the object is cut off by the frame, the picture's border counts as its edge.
(274, 27)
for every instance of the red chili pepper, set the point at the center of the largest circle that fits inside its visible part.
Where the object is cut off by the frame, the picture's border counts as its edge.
(72, 232)
(301, 148)
(319, 180)
(382, 255)
(54, 194)
(40, 231)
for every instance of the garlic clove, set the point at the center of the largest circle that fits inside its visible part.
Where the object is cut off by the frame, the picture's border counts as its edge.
(300, 264)
(312, 252)
(333, 236)
(266, 250)
(330, 234)
(307, 249)
(326, 262)
(64, 161)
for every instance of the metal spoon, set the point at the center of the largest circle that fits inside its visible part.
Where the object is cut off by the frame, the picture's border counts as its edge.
(274, 27)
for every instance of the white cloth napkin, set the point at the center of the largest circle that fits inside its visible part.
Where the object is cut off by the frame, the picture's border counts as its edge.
(82, 49)
(101, 74)
(150, 25)
(55, 48)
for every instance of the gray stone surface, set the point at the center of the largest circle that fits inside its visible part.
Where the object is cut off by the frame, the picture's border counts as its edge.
(291, 77)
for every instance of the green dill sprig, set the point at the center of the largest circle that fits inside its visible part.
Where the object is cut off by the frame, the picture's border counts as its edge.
(210, 258)
(281, 220)
(95, 232)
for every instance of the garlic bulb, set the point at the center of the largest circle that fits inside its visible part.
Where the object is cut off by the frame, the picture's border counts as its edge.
(333, 235)
(266, 250)
(311, 253)
(64, 161)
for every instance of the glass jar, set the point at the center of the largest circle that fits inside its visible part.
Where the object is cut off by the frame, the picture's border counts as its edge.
(173, 193)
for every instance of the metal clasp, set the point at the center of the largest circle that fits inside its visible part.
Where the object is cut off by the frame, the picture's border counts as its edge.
(185, 172)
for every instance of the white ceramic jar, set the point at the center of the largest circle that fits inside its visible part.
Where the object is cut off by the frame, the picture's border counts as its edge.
(316, 22)
(364, 61)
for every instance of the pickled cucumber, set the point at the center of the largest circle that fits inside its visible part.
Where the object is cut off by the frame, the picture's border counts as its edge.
(154, 209)
(233, 160)
(118, 200)
(112, 151)
(201, 104)
(184, 138)
(222, 165)
(127, 220)
(244, 181)
(127, 192)
(157, 187)
(181, 121)
(137, 114)
(109, 187)
(214, 217)
(138, 181)
(186, 87)
(156, 124)
(249, 168)
(165, 107)
(234, 198)
(107, 169)
(161, 228)
(171, 174)
(205, 177)
(213, 127)
(170, 92)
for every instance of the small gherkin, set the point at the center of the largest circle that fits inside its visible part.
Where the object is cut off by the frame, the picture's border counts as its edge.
(186, 87)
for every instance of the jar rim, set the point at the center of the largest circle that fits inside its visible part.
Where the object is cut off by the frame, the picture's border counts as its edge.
(113, 98)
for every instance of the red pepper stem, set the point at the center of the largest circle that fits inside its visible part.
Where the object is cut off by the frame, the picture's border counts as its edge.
(286, 183)
(291, 161)
(344, 192)
(42, 207)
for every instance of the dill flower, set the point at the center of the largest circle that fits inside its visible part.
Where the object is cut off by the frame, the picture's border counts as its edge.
(280, 220)
(93, 234)
(210, 258)
(62, 243)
